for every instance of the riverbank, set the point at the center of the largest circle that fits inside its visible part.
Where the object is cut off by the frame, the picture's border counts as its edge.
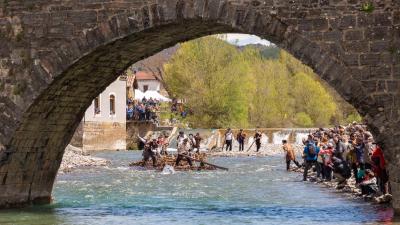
(75, 157)
(349, 189)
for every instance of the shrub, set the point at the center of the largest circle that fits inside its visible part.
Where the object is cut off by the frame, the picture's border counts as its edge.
(302, 119)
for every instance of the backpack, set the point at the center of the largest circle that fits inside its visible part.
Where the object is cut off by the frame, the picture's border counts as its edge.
(312, 151)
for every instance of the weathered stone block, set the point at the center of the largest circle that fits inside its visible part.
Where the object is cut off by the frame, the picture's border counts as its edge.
(352, 35)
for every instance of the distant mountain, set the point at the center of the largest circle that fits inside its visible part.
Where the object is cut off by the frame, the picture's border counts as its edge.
(156, 62)
(268, 52)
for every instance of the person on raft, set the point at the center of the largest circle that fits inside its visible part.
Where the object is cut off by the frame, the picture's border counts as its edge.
(183, 150)
(192, 142)
(198, 140)
(179, 140)
(150, 150)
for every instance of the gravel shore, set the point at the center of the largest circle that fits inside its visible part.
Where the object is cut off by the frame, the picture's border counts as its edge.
(75, 157)
(349, 189)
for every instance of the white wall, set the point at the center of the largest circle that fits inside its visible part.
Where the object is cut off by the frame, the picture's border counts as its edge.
(118, 89)
(154, 85)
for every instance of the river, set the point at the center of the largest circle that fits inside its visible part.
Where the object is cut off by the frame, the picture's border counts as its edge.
(254, 191)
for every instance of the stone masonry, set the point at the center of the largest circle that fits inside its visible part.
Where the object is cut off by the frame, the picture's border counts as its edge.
(56, 56)
(103, 136)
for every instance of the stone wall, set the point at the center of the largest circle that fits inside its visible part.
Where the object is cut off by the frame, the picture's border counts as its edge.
(56, 56)
(104, 136)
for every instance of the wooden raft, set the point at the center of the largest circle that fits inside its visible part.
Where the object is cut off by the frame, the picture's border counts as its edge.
(183, 164)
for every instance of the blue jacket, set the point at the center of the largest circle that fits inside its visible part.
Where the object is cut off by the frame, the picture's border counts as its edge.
(310, 157)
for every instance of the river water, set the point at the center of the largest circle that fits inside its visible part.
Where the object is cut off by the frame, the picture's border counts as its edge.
(254, 191)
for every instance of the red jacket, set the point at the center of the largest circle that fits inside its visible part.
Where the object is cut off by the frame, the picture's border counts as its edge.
(378, 160)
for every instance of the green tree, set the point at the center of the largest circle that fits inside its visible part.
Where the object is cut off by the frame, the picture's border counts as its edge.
(225, 85)
(313, 99)
(207, 73)
(302, 119)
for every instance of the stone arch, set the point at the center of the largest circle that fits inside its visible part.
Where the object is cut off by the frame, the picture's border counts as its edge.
(88, 61)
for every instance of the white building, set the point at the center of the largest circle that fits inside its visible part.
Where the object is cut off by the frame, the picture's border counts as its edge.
(147, 81)
(110, 105)
(104, 123)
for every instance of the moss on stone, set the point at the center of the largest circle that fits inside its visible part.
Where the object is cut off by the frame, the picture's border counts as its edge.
(368, 7)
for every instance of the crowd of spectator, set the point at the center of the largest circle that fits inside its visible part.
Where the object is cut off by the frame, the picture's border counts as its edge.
(144, 110)
(344, 152)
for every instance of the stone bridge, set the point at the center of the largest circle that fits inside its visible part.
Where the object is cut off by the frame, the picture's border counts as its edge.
(56, 56)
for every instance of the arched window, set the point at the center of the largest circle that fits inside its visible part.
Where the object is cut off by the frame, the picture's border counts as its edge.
(97, 105)
(112, 105)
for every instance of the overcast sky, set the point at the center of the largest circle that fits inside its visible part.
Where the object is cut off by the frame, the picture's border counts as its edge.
(245, 39)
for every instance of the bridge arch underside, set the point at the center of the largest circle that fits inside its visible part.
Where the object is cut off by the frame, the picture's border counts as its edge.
(30, 163)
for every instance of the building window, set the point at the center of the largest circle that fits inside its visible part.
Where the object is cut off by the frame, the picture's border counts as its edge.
(145, 88)
(97, 105)
(112, 105)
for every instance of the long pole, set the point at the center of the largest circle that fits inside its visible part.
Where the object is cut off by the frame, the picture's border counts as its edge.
(197, 160)
(251, 145)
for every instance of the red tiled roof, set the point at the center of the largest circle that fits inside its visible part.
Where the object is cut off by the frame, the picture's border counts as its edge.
(142, 75)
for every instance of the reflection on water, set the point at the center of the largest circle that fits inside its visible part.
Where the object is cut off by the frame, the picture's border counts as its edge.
(253, 191)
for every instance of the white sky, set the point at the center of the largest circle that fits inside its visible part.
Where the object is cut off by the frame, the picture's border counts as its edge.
(245, 39)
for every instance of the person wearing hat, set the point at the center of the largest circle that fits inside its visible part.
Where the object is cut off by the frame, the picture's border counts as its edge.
(240, 137)
(290, 154)
(183, 150)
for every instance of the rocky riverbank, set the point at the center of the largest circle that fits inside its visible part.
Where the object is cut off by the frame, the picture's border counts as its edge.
(75, 157)
(349, 189)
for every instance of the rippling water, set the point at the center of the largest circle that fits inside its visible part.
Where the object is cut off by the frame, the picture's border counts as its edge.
(253, 191)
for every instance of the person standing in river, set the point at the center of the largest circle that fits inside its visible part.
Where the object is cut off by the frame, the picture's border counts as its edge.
(257, 139)
(290, 155)
(310, 153)
(241, 136)
(228, 139)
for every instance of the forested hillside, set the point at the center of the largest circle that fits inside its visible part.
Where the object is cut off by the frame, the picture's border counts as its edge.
(250, 86)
